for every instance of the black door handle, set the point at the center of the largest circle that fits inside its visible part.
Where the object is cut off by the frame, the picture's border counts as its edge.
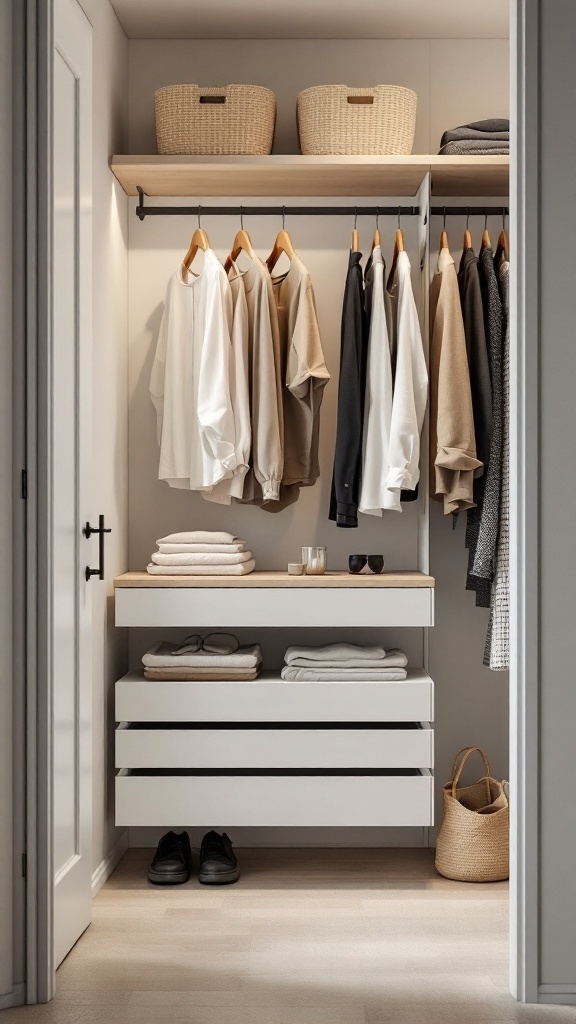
(100, 530)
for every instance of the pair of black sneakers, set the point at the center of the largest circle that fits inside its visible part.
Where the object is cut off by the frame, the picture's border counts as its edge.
(172, 862)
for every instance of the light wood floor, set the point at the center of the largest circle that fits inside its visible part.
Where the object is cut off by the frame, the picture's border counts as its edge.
(305, 937)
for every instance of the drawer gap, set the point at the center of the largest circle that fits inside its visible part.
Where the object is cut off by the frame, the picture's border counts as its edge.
(267, 772)
(300, 726)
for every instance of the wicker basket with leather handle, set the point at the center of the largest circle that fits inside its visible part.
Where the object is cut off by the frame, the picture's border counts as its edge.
(473, 841)
(334, 119)
(228, 121)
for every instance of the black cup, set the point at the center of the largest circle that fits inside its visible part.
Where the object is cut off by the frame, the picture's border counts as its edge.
(376, 563)
(356, 563)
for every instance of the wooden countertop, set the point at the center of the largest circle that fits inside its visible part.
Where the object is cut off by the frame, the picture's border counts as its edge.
(278, 580)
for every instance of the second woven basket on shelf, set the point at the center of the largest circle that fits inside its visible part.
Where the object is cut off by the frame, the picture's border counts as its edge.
(337, 120)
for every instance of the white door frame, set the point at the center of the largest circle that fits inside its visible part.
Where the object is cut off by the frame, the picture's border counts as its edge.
(524, 513)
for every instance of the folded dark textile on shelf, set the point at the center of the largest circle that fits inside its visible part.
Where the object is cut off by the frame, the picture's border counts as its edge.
(475, 148)
(495, 127)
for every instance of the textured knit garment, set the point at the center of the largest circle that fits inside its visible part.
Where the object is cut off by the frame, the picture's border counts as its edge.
(239, 393)
(476, 147)
(453, 460)
(482, 556)
(304, 373)
(190, 380)
(353, 356)
(497, 652)
(410, 384)
(374, 494)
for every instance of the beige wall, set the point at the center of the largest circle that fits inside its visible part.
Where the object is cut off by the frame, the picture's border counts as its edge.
(110, 422)
(471, 702)
(450, 77)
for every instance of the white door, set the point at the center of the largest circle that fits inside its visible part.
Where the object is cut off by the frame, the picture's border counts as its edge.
(70, 476)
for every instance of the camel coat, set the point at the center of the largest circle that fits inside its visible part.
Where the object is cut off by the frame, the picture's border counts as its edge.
(453, 460)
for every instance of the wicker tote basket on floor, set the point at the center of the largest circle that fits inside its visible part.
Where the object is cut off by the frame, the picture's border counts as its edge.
(228, 121)
(473, 841)
(333, 119)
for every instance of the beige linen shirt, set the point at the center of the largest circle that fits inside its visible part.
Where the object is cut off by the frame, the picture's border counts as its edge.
(452, 441)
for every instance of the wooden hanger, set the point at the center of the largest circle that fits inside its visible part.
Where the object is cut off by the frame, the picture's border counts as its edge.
(376, 238)
(398, 248)
(199, 241)
(355, 241)
(240, 244)
(486, 243)
(502, 249)
(283, 244)
(467, 235)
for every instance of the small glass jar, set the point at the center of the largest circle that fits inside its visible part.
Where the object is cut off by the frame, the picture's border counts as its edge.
(314, 561)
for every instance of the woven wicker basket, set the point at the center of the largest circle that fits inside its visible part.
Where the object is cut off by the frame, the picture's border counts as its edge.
(227, 121)
(473, 841)
(333, 119)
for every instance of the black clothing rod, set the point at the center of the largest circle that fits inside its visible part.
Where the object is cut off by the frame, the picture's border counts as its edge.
(143, 211)
(469, 211)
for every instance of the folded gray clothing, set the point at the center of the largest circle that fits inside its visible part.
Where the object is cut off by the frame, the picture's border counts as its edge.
(161, 655)
(475, 148)
(395, 658)
(167, 548)
(202, 558)
(337, 675)
(470, 135)
(491, 127)
(202, 570)
(335, 652)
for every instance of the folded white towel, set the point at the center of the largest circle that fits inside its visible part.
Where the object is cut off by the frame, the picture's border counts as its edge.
(394, 659)
(352, 675)
(202, 558)
(191, 549)
(202, 570)
(161, 655)
(199, 537)
(335, 652)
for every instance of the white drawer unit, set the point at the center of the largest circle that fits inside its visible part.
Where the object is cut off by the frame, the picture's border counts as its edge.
(145, 746)
(270, 699)
(275, 599)
(178, 800)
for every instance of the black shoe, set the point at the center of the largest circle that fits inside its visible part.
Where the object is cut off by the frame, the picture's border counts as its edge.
(172, 861)
(218, 864)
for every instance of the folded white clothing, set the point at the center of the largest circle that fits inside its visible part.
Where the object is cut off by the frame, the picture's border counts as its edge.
(161, 655)
(202, 558)
(191, 549)
(394, 659)
(202, 570)
(199, 537)
(337, 675)
(335, 652)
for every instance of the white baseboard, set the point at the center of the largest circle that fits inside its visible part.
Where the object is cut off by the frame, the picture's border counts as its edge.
(107, 866)
(558, 995)
(297, 837)
(17, 997)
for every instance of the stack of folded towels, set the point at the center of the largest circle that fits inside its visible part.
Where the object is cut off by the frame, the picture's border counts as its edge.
(191, 662)
(480, 138)
(201, 553)
(343, 662)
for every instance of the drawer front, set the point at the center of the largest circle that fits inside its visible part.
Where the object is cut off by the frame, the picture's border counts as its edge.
(274, 748)
(234, 607)
(180, 801)
(271, 700)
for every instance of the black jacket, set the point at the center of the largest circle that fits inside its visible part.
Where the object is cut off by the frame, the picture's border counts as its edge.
(351, 387)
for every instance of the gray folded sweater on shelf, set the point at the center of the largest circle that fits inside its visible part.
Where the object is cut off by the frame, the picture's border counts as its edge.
(164, 655)
(340, 653)
(337, 675)
(475, 148)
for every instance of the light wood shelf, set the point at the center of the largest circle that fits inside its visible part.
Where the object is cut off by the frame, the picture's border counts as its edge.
(182, 176)
(277, 581)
